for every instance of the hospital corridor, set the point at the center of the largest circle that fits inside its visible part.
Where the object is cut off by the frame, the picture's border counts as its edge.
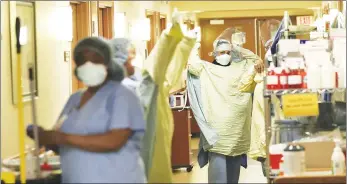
(173, 92)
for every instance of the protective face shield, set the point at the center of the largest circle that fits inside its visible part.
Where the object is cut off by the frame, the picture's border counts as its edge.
(238, 38)
(92, 74)
(268, 30)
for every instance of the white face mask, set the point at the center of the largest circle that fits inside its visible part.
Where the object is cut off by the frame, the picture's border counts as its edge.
(92, 74)
(223, 59)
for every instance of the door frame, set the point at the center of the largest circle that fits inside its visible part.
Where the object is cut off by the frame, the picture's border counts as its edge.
(163, 22)
(150, 44)
(83, 24)
(205, 22)
(106, 15)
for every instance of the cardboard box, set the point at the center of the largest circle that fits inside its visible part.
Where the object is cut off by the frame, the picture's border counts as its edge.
(318, 154)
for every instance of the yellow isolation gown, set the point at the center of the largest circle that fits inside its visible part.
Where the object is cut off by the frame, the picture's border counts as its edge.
(227, 110)
(165, 65)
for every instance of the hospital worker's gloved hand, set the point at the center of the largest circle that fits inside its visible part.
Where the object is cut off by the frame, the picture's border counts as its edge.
(30, 131)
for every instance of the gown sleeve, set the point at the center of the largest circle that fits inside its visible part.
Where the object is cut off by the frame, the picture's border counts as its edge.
(247, 83)
(162, 53)
(249, 55)
(179, 61)
(259, 100)
(125, 111)
(195, 66)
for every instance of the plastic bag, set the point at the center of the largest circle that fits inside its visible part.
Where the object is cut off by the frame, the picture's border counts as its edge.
(334, 135)
(268, 30)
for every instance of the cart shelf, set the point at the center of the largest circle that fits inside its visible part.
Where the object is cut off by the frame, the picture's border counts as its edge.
(301, 91)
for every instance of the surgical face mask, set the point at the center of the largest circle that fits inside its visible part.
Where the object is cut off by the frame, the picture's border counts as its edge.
(92, 74)
(223, 59)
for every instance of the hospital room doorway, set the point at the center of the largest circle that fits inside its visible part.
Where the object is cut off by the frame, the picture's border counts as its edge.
(154, 22)
(105, 19)
(162, 22)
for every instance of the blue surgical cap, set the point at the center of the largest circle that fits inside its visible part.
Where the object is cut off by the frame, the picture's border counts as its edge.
(120, 48)
(102, 47)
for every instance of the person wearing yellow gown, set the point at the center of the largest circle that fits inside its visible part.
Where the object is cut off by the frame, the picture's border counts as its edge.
(165, 65)
(161, 71)
(223, 112)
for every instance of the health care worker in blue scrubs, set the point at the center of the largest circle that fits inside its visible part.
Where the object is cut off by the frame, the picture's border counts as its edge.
(100, 129)
(124, 54)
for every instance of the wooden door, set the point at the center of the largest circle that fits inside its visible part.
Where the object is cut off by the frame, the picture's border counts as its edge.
(162, 23)
(75, 83)
(81, 29)
(105, 22)
(150, 44)
(100, 22)
(155, 23)
(210, 32)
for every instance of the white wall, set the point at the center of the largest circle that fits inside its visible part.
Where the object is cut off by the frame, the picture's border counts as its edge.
(53, 75)
(136, 10)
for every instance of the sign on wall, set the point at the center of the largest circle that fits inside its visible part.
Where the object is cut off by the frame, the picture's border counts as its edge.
(300, 104)
(304, 20)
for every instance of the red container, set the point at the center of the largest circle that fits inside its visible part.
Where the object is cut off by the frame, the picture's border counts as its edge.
(283, 79)
(275, 160)
(303, 74)
(272, 80)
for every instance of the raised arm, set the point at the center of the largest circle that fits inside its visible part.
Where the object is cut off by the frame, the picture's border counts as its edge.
(195, 64)
(255, 64)
(179, 61)
(161, 56)
(249, 55)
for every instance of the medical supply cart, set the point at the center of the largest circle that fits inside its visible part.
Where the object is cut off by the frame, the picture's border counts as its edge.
(297, 96)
